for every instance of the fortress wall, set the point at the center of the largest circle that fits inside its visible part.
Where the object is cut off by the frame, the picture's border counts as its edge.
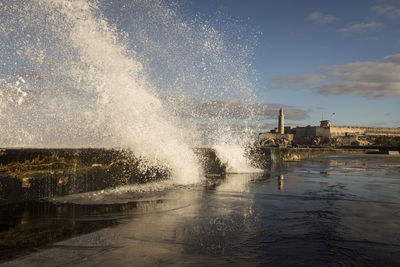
(265, 136)
(323, 132)
(352, 130)
(343, 130)
(305, 135)
(306, 131)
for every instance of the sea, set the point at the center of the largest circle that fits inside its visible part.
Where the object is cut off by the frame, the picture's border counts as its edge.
(334, 210)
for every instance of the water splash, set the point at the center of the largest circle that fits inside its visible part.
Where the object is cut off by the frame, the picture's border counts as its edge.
(82, 73)
(138, 119)
(231, 150)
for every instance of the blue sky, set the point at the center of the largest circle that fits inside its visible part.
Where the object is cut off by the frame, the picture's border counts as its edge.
(315, 58)
(323, 56)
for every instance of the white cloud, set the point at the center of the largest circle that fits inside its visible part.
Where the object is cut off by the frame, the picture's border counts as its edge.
(393, 59)
(299, 82)
(321, 18)
(191, 107)
(391, 12)
(362, 27)
(371, 79)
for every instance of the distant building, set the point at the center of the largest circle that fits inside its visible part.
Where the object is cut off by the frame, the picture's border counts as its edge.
(324, 134)
(281, 136)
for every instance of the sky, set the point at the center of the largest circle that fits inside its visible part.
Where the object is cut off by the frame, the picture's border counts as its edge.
(318, 59)
(336, 60)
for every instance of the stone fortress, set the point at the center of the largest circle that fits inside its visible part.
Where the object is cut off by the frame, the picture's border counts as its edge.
(325, 134)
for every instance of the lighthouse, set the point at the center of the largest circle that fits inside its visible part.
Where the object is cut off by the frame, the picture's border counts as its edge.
(281, 123)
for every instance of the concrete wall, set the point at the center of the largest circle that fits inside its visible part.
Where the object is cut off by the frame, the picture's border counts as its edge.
(27, 174)
(40, 173)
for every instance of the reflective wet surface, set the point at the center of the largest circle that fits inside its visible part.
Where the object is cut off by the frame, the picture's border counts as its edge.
(334, 210)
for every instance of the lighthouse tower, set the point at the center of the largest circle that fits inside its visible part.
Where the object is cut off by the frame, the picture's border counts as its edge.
(281, 123)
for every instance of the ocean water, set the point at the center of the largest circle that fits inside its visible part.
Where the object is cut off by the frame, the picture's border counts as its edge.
(336, 210)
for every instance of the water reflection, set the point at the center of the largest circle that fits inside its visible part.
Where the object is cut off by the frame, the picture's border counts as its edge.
(227, 216)
(242, 219)
(280, 182)
(238, 182)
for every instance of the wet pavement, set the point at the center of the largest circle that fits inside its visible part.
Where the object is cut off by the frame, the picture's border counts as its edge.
(334, 210)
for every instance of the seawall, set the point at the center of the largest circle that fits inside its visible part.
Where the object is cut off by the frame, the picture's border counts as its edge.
(27, 174)
(41, 173)
(265, 157)
(36, 173)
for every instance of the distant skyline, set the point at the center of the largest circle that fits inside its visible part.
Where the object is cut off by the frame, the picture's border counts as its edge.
(339, 60)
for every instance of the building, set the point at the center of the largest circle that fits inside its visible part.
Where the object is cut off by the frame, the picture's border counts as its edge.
(281, 136)
(325, 134)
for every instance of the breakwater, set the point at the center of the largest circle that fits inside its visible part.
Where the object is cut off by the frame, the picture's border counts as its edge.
(41, 173)
(36, 173)
(27, 174)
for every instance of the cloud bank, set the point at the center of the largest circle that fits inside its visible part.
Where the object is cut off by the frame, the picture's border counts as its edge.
(191, 107)
(389, 11)
(298, 82)
(362, 27)
(321, 18)
(373, 79)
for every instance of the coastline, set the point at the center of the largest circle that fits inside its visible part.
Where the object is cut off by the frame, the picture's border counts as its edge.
(40, 173)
